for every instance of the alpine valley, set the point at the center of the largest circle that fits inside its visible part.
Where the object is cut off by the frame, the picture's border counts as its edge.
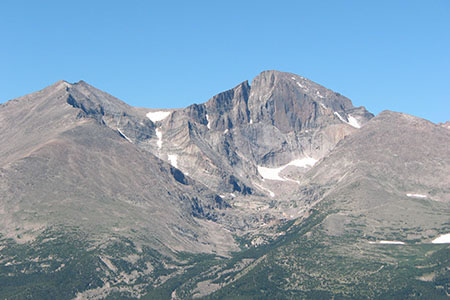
(275, 189)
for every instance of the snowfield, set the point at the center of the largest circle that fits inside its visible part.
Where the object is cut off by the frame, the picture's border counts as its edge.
(173, 159)
(388, 242)
(443, 239)
(392, 242)
(207, 119)
(156, 116)
(271, 173)
(159, 136)
(274, 173)
(351, 120)
(416, 196)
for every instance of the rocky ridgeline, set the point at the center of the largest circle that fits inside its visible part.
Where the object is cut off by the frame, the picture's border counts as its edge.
(99, 198)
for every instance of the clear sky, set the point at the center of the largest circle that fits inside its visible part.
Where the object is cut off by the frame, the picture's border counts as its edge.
(160, 54)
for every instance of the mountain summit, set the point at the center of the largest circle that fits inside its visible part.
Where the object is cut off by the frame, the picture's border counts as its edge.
(278, 188)
(279, 118)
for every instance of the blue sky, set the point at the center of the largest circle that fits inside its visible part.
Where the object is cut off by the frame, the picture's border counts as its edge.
(381, 54)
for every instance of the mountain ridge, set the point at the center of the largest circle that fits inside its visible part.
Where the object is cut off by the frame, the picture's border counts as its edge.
(99, 198)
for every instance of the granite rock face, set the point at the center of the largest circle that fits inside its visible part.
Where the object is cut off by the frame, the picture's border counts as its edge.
(279, 118)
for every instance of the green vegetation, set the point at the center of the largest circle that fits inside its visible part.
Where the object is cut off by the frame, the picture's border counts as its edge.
(304, 262)
(54, 266)
(307, 263)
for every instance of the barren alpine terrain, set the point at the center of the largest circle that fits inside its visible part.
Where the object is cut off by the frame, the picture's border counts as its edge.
(278, 188)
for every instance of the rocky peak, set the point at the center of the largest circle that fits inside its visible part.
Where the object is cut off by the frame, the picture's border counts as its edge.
(225, 101)
(130, 122)
(89, 99)
(228, 109)
(60, 84)
(94, 101)
(287, 101)
(291, 102)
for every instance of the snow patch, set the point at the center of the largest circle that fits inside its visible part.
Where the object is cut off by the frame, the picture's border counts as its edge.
(443, 239)
(303, 162)
(323, 105)
(339, 116)
(159, 136)
(302, 86)
(207, 119)
(225, 131)
(271, 173)
(274, 173)
(392, 242)
(388, 242)
(123, 134)
(416, 196)
(351, 120)
(319, 95)
(251, 121)
(173, 159)
(156, 116)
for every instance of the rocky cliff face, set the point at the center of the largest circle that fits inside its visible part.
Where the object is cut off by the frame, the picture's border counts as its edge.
(279, 118)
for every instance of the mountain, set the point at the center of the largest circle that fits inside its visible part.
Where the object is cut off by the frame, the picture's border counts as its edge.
(382, 200)
(68, 176)
(278, 188)
(280, 117)
(235, 142)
